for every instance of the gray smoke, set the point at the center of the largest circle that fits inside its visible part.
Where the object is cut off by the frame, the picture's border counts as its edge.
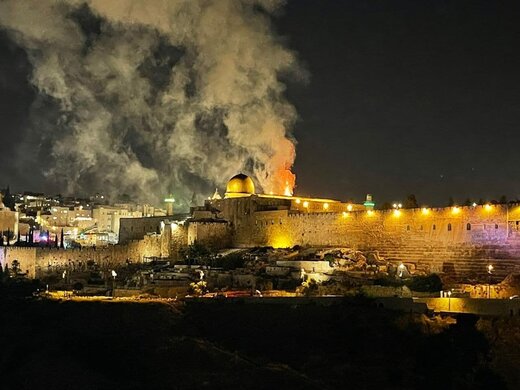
(148, 97)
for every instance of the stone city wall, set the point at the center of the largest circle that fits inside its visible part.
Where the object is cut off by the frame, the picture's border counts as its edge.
(35, 261)
(9, 221)
(212, 234)
(449, 240)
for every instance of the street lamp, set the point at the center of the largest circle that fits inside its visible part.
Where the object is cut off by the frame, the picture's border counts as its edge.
(114, 274)
(449, 300)
(490, 271)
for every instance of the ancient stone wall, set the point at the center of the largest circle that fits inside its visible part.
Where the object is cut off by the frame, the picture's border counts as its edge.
(451, 240)
(35, 261)
(9, 221)
(212, 234)
(26, 258)
(136, 228)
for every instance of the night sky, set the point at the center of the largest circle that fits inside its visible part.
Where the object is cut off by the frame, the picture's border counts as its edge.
(403, 97)
(407, 97)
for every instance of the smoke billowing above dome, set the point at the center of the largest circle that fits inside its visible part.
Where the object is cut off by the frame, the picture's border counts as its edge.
(148, 97)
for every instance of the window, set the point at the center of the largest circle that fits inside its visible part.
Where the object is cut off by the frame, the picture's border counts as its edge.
(449, 227)
(434, 227)
(421, 227)
(468, 226)
(496, 226)
(408, 227)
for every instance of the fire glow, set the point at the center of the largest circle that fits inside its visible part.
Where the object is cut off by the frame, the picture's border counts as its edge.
(288, 181)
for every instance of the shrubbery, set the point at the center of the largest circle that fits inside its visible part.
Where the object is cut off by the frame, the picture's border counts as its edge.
(231, 261)
(428, 283)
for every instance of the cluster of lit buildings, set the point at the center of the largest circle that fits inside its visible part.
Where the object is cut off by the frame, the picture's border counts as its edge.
(85, 222)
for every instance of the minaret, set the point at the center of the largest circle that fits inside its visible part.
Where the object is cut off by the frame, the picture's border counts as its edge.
(369, 203)
(169, 201)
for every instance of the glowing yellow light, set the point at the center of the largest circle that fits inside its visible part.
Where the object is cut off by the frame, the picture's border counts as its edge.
(488, 207)
(288, 191)
(349, 207)
(490, 268)
(325, 206)
(474, 204)
(425, 211)
(370, 213)
(305, 204)
(397, 213)
(281, 241)
(345, 214)
(455, 210)
(298, 201)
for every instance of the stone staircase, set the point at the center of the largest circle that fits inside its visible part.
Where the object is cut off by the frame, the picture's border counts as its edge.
(459, 261)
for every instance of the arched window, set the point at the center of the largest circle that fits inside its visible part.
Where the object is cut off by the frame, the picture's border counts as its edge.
(434, 227)
(496, 226)
(449, 227)
(468, 226)
(421, 227)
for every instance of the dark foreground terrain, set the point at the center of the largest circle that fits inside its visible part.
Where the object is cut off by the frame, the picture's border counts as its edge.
(123, 345)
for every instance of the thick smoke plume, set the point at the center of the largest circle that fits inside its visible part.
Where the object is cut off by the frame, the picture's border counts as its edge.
(148, 97)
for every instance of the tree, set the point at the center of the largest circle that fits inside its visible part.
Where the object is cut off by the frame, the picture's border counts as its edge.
(196, 254)
(16, 266)
(62, 242)
(198, 289)
(385, 206)
(8, 199)
(410, 202)
(428, 283)
(8, 235)
(451, 202)
(503, 199)
(468, 202)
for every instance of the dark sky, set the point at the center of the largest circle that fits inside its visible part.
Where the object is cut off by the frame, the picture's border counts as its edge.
(404, 96)
(407, 97)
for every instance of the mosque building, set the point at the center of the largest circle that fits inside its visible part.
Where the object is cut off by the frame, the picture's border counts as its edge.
(440, 239)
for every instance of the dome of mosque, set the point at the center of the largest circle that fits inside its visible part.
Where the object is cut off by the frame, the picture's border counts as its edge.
(240, 185)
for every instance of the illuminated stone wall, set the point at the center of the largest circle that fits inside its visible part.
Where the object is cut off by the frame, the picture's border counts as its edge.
(36, 261)
(25, 256)
(136, 228)
(9, 221)
(212, 234)
(449, 240)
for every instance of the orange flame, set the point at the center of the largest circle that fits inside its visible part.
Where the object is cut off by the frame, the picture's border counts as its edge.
(285, 181)
(288, 189)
